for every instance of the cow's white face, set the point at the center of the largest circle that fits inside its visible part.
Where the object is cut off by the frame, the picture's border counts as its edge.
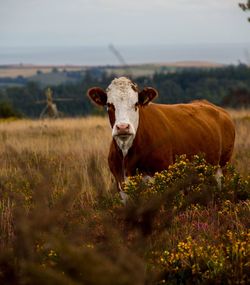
(123, 100)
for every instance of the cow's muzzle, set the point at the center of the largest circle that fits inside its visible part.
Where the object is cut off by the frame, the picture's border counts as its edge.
(123, 131)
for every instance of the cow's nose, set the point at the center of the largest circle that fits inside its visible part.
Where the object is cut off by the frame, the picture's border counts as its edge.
(122, 128)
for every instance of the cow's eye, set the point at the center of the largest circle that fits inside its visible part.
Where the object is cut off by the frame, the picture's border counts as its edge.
(136, 106)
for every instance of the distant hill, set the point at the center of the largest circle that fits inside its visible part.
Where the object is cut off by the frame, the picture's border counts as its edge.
(13, 71)
(31, 70)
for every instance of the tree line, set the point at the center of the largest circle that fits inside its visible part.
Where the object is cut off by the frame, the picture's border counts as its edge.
(226, 86)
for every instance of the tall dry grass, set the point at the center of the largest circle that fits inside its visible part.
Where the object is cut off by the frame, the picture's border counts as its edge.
(67, 147)
(241, 156)
(77, 140)
(62, 223)
(79, 136)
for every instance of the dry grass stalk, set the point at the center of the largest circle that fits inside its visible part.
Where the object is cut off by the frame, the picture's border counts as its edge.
(6, 221)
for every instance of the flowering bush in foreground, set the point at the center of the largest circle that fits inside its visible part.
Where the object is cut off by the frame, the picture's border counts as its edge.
(177, 228)
(190, 177)
(197, 261)
(201, 233)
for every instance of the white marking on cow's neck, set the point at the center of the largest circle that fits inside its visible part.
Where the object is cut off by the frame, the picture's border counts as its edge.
(123, 95)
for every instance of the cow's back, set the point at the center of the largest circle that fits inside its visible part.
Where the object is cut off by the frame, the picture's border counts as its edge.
(198, 127)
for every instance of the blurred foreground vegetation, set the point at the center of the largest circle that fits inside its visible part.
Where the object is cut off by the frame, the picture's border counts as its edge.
(62, 221)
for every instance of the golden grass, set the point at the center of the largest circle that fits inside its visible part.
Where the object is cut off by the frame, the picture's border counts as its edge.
(56, 227)
(241, 156)
(63, 135)
(239, 113)
(71, 149)
(86, 137)
(80, 145)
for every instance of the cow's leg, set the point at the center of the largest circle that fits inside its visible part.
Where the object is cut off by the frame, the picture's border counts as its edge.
(124, 196)
(218, 175)
(147, 178)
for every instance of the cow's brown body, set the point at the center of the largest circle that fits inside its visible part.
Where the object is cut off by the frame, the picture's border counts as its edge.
(165, 131)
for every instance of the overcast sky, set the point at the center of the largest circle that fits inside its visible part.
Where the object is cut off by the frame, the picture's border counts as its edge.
(122, 22)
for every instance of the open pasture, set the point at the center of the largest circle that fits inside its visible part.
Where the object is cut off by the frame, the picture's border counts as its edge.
(61, 221)
(88, 138)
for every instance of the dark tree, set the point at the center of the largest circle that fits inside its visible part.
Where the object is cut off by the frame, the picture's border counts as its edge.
(245, 7)
(8, 111)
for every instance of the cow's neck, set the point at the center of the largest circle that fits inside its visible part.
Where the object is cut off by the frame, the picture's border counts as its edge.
(124, 162)
(123, 168)
(129, 160)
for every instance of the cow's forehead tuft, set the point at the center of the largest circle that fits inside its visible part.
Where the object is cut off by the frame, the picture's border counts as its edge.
(122, 84)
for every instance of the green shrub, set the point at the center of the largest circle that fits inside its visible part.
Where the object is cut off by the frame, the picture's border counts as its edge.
(193, 179)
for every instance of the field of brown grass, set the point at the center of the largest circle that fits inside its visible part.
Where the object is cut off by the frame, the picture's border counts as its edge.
(31, 70)
(61, 221)
(76, 143)
(241, 156)
(71, 143)
(86, 137)
(138, 70)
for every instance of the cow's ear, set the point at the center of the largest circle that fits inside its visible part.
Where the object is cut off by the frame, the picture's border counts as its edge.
(98, 96)
(147, 95)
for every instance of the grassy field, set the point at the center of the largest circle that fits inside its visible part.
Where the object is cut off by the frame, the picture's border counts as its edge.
(137, 70)
(62, 222)
(31, 70)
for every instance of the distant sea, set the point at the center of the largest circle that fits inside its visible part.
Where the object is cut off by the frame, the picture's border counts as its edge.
(102, 55)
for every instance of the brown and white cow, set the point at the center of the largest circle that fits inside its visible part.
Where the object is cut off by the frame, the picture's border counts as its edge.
(147, 137)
